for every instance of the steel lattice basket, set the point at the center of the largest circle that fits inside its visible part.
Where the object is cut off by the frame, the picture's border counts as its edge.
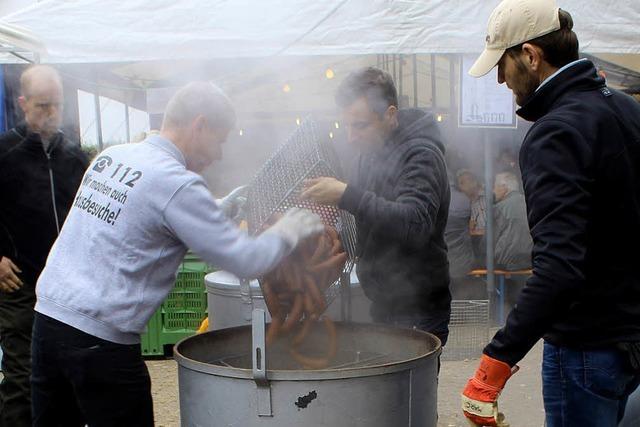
(278, 184)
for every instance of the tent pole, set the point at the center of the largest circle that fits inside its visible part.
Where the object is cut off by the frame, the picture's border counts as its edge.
(488, 193)
(415, 81)
(432, 62)
(96, 104)
(400, 83)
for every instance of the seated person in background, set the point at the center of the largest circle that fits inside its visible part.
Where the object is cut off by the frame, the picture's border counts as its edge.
(513, 242)
(469, 184)
(512, 237)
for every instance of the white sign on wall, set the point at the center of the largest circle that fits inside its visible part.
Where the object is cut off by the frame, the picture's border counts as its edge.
(483, 102)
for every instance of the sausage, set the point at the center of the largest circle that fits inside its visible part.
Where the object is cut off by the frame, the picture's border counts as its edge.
(308, 362)
(332, 262)
(309, 307)
(295, 314)
(294, 278)
(333, 233)
(333, 337)
(320, 251)
(319, 362)
(274, 329)
(285, 297)
(318, 299)
(308, 322)
(270, 298)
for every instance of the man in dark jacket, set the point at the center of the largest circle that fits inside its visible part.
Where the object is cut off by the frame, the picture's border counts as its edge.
(579, 164)
(40, 172)
(399, 196)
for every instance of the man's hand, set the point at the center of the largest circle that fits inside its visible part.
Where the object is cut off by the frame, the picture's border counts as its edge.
(323, 190)
(480, 396)
(9, 281)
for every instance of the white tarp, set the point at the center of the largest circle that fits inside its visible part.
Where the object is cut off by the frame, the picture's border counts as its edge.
(136, 30)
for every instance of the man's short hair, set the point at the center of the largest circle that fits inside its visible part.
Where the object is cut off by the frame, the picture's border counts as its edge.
(200, 99)
(559, 47)
(509, 180)
(37, 71)
(371, 82)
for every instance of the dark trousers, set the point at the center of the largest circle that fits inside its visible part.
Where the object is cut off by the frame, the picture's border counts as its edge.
(16, 322)
(80, 379)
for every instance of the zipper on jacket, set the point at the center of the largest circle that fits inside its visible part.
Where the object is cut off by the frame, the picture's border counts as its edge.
(53, 189)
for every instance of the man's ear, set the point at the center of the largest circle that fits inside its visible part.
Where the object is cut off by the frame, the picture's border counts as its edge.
(22, 102)
(392, 115)
(532, 56)
(199, 123)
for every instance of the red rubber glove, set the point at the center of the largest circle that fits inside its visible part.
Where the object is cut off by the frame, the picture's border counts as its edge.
(480, 396)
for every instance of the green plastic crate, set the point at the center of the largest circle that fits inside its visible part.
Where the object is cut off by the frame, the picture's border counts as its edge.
(150, 342)
(182, 320)
(182, 312)
(190, 301)
(191, 276)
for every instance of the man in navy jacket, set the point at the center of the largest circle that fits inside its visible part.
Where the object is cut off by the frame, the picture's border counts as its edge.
(580, 169)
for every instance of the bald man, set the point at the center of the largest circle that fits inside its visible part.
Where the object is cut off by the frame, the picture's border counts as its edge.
(40, 172)
(116, 260)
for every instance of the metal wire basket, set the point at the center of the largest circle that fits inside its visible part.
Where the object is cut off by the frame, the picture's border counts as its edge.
(468, 329)
(278, 184)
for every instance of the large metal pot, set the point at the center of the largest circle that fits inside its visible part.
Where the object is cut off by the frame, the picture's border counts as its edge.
(381, 377)
(230, 303)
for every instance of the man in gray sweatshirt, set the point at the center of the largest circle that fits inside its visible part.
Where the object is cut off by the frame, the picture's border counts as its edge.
(139, 207)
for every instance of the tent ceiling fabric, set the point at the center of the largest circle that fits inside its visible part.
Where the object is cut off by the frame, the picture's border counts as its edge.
(82, 31)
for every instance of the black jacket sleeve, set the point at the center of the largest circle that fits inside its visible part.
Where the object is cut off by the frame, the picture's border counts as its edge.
(410, 218)
(555, 162)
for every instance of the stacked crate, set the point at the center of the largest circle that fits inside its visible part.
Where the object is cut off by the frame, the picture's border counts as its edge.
(182, 312)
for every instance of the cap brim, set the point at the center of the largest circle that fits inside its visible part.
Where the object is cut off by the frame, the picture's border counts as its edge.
(488, 59)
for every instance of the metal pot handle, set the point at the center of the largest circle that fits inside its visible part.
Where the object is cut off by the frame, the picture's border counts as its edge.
(259, 363)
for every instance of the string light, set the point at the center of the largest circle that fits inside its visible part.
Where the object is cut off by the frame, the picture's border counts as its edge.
(329, 74)
(439, 117)
(286, 88)
(337, 125)
(331, 135)
(241, 132)
(298, 121)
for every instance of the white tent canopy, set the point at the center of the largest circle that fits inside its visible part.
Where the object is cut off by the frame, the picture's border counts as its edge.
(82, 31)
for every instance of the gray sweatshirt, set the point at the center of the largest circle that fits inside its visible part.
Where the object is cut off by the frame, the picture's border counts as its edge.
(136, 212)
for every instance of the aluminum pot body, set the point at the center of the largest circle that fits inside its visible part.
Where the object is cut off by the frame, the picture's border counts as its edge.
(401, 393)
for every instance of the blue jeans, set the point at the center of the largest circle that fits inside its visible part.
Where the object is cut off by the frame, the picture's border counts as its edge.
(586, 388)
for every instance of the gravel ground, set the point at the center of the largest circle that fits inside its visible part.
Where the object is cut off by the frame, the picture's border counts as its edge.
(521, 401)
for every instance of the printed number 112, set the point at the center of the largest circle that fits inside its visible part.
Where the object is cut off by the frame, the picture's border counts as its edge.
(135, 175)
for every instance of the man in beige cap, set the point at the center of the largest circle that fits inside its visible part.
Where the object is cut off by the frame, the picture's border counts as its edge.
(579, 164)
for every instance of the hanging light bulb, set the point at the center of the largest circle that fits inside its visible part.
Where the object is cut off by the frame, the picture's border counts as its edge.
(439, 117)
(331, 135)
(337, 125)
(240, 132)
(329, 74)
(286, 88)
(298, 121)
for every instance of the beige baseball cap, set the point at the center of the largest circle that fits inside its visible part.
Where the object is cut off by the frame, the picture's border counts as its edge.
(514, 22)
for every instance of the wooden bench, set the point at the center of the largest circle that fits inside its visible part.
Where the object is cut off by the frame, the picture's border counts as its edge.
(500, 289)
